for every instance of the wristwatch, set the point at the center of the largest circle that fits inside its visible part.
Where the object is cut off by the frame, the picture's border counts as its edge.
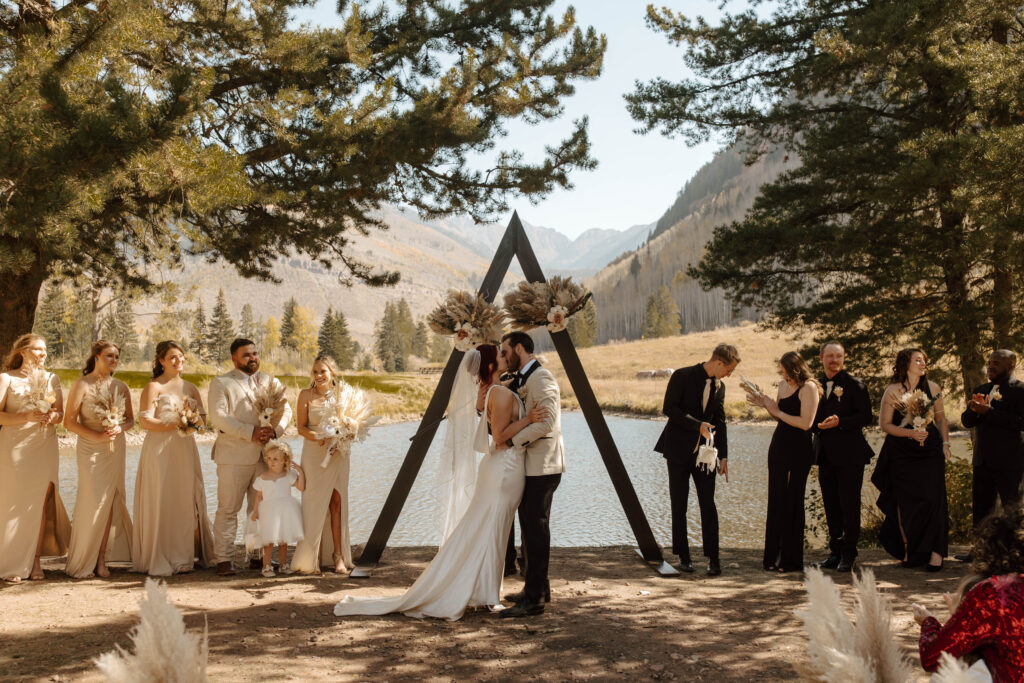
(508, 442)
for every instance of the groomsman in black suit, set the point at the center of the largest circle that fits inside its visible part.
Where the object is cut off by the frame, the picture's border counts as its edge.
(998, 417)
(841, 452)
(695, 407)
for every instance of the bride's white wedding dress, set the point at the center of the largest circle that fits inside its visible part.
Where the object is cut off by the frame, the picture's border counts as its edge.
(467, 570)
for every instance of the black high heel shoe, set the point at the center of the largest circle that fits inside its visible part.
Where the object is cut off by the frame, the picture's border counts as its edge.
(933, 568)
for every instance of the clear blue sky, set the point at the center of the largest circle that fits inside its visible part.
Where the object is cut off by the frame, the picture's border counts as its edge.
(638, 176)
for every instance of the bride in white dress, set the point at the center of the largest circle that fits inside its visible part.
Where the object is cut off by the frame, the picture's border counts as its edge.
(467, 570)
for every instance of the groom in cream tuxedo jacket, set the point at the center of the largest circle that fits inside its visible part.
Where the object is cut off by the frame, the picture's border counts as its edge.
(545, 462)
(239, 444)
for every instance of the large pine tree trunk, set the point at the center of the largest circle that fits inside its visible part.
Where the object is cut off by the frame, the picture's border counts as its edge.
(18, 303)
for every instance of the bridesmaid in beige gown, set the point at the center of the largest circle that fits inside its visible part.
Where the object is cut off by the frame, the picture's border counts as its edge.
(102, 530)
(33, 521)
(325, 500)
(172, 527)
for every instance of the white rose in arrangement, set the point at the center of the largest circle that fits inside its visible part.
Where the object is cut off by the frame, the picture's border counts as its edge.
(920, 423)
(465, 336)
(557, 318)
(43, 406)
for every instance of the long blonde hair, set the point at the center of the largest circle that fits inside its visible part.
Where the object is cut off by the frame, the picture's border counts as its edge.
(16, 357)
(331, 365)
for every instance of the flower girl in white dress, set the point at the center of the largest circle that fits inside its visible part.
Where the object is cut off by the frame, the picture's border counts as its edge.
(276, 515)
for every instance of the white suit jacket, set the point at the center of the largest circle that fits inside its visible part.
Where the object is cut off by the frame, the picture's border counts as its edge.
(233, 414)
(542, 441)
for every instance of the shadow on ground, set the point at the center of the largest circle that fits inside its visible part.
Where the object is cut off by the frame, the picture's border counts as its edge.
(611, 617)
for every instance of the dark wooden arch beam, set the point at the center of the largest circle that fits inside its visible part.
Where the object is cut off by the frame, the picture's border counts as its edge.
(513, 243)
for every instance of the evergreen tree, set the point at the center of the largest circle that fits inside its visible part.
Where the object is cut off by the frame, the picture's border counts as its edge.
(406, 327)
(661, 315)
(197, 341)
(220, 332)
(54, 319)
(288, 324)
(274, 136)
(346, 348)
(440, 348)
(421, 341)
(119, 327)
(325, 338)
(387, 344)
(652, 318)
(582, 327)
(901, 223)
(246, 323)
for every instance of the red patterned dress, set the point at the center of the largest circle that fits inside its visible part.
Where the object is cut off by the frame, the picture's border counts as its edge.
(988, 622)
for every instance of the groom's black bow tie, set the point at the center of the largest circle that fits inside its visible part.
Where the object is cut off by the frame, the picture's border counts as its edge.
(516, 382)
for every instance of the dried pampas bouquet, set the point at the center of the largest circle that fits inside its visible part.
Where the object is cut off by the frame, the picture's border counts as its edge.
(468, 317)
(551, 303)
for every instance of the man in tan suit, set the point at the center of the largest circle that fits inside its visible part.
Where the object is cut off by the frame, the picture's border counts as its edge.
(239, 444)
(545, 462)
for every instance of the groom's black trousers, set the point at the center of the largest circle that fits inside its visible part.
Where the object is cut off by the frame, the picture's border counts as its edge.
(534, 511)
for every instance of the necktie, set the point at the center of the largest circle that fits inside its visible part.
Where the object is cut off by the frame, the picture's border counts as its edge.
(708, 386)
(828, 388)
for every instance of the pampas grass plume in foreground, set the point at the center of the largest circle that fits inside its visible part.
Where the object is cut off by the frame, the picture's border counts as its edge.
(864, 651)
(839, 650)
(164, 651)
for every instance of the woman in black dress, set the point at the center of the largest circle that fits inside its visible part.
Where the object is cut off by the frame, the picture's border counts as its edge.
(911, 470)
(790, 457)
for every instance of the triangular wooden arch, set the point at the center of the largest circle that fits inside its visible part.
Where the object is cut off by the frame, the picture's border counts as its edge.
(513, 243)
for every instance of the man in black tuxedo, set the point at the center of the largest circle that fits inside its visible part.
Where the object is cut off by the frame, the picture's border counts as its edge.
(999, 441)
(695, 407)
(841, 452)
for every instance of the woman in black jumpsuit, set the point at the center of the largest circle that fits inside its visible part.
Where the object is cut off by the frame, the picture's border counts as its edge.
(790, 457)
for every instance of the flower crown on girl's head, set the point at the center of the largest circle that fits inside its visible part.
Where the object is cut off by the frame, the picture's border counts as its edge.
(281, 447)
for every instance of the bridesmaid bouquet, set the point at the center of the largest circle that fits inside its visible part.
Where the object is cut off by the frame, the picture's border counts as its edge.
(469, 318)
(189, 420)
(750, 387)
(549, 304)
(270, 402)
(108, 403)
(918, 409)
(40, 394)
(346, 418)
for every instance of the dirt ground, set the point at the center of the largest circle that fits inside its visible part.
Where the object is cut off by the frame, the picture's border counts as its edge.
(611, 617)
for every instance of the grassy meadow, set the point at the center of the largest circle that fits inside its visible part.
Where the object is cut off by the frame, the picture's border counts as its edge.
(612, 368)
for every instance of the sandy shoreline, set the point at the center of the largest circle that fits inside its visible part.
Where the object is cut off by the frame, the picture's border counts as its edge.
(611, 618)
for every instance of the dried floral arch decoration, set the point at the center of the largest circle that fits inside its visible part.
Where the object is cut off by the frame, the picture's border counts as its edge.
(514, 243)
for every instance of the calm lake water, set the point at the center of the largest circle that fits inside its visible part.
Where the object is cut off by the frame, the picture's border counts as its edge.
(585, 512)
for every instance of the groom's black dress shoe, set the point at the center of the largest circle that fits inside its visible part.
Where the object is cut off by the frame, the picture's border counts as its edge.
(685, 566)
(714, 568)
(519, 596)
(845, 565)
(831, 562)
(522, 609)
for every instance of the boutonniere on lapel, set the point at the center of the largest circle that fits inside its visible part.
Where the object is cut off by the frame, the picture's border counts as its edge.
(994, 394)
(838, 391)
(522, 393)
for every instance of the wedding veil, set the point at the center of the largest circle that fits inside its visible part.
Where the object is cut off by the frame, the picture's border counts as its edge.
(458, 461)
